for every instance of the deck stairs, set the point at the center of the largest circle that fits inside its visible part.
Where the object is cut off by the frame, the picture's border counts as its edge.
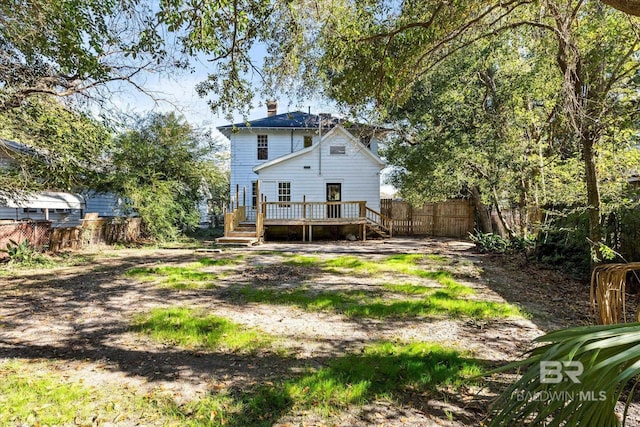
(244, 234)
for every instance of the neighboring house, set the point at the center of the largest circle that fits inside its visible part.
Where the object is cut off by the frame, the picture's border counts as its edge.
(284, 160)
(61, 208)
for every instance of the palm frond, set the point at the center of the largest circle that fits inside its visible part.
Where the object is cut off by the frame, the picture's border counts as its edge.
(603, 360)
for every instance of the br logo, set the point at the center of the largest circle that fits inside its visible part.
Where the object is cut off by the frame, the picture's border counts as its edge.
(554, 372)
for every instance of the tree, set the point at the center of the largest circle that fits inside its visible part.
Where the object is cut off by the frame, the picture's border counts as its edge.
(379, 58)
(64, 148)
(479, 126)
(160, 168)
(62, 48)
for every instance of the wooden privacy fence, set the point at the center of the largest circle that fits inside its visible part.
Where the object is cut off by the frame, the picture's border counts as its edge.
(93, 231)
(452, 218)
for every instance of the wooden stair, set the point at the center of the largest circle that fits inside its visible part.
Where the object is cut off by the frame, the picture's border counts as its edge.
(378, 224)
(377, 231)
(245, 235)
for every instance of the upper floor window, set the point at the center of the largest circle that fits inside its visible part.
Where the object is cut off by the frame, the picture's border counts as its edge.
(308, 140)
(263, 147)
(337, 149)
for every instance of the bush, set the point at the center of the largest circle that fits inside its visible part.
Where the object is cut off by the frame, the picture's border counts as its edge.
(23, 253)
(494, 243)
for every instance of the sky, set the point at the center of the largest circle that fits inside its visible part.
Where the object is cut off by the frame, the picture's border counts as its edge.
(180, 93)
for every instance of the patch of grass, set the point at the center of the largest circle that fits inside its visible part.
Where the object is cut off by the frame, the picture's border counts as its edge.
(221, 261)
(409, 288)
(195, 329)
(383, 370)
(437, 258)
(444, 302)
(174, 277)
(33, 394)
(400, 263)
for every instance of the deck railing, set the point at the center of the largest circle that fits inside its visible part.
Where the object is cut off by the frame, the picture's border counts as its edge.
(313, 211)
(233, 218)
(381, 221)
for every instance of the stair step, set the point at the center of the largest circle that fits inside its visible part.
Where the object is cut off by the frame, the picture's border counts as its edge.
(247, 241)
(235, 233)
(245, 228)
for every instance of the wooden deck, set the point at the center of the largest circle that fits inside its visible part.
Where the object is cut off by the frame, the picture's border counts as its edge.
(307, 215)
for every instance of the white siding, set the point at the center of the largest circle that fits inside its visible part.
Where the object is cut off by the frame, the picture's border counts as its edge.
(355, 170)
(244, 153)
(103, 204)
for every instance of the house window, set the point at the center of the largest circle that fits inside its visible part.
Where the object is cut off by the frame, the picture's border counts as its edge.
(308, 140)
(30, 210)
(366, 141)
(263, 147)
(337, 149)
(254, 194)
(284, 193)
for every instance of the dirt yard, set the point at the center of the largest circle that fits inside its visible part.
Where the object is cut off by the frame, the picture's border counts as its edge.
(76, 321)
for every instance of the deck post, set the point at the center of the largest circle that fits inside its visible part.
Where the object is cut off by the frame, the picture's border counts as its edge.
(244, 196)
(304, 214)
(237, 196)
(364, 232)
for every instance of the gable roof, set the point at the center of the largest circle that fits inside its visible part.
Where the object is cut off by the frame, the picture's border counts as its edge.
(339, 128)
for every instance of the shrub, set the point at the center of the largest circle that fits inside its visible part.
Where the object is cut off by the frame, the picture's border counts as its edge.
(494, 243)
(23, 253)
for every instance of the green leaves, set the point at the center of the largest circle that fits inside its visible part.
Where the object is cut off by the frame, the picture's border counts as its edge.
(160, 168)
(610, 359)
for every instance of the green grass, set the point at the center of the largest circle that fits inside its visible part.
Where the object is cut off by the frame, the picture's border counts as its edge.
(221, 261)
(34, 394)
(175, 277)
(408, 264)
(383, 370)
(191, 329)
(438, 303)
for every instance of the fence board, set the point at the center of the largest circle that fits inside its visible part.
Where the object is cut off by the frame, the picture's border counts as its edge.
(452, 218)
(93, 231)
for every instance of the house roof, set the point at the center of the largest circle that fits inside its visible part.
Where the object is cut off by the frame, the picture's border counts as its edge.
(291, 120)
(49, 199)
(330, 134)
(301, 120)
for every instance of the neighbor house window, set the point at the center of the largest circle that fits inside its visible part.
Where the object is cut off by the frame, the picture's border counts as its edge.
(308, 140)
(263, 147)
(254, 194)
(366, 140)
(284, 193)
(337, 149)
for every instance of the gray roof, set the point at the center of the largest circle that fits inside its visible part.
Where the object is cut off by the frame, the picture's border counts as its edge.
(292, 120)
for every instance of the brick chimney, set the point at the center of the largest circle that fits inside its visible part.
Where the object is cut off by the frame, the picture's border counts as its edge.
(272, 108)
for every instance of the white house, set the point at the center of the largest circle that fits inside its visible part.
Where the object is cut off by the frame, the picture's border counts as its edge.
(284, 160)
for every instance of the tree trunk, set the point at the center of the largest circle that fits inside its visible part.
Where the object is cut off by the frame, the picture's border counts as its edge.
(593, 193)
(482, 213)
(506, 230)
(632, 7)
